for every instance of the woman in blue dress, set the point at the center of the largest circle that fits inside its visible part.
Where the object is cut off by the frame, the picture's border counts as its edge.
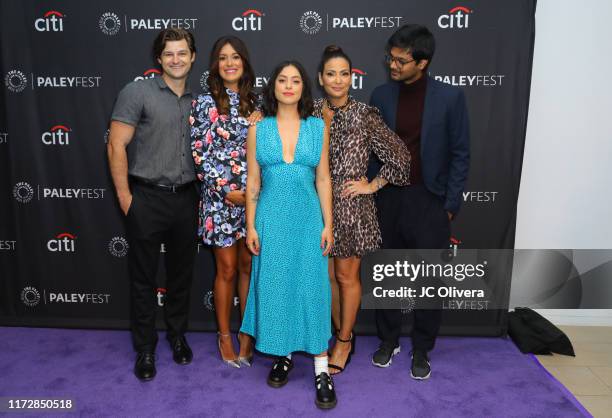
(289, 230)
(219, 128)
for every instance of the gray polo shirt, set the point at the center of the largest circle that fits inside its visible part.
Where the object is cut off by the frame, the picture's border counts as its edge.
(160, 150)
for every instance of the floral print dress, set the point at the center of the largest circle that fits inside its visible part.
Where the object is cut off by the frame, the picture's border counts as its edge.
(218, 145)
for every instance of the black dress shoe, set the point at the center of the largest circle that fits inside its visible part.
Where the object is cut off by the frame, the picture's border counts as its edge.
(326, 394)
(145, 366)
(181, 352)
(279, 375)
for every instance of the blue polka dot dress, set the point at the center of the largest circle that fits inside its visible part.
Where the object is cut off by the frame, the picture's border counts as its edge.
(289, 303)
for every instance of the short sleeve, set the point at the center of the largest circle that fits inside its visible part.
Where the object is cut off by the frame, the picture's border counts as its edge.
(129, 104)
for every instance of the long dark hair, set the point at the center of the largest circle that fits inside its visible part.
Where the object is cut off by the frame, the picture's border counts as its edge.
(245, 84)
(270, 104)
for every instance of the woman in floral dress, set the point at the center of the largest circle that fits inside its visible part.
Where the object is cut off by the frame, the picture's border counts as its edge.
(219, 123)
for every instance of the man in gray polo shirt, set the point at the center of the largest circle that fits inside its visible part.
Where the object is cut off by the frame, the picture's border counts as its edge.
(154, 179)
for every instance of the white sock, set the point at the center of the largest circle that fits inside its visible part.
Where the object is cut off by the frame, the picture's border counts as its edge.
(288, 356)
(320, 365)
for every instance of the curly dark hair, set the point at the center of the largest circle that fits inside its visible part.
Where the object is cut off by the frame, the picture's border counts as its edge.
(305, 105)
(245, 84)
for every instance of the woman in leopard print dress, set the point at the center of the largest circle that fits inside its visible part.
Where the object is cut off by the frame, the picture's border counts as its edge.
(356, 129)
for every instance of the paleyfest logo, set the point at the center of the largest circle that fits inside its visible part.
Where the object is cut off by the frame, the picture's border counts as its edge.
(52, 21)
(30, 296)
(16, 81)
(311, 22)
(457, 18)
(109, 23)
(23, 192)
(250, 20)
(118, 247)
(150, 73)
(57, 135)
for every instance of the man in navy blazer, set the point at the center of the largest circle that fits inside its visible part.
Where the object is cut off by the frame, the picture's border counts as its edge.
(432, 119)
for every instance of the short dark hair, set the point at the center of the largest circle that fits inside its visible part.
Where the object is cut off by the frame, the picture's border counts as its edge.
(171, 34)
(245, 84)
(415, 38)
(270, 104)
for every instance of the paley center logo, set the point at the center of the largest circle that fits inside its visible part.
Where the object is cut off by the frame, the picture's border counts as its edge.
(473, 80)
(23, 192)
(16, 81)
(110, 23)
(30, 296)
(62, 243)
(209, 300)
(249, 20)
(311, 22)
(57, 135)
(118, 247)
(52, 21)
(150, 73)
(457, 18)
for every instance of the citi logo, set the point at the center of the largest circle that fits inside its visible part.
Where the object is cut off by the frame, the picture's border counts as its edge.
(52, 21)
(454, 245)
(250, 20)
(161, 297)
(58, 135)
(357, 76)
(63, 243)
(151, 73)
(457, 17)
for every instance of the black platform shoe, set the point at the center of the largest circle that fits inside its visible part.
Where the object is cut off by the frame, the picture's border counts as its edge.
(279, 375)
(326, 394)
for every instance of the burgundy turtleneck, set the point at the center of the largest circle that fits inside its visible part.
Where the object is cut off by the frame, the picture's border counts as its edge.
(408, 121)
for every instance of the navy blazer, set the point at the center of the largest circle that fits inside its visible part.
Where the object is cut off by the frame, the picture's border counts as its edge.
(445, 137)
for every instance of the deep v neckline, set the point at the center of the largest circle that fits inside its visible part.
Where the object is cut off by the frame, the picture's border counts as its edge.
(297, 142)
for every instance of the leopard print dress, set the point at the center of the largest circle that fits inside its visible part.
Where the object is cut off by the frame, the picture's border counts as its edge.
(357, 130)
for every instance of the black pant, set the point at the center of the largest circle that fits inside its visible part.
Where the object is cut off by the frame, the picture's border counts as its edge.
(411, 218)
(156, 217)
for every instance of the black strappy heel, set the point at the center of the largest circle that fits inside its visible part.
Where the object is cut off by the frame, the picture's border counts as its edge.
(351, 340)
